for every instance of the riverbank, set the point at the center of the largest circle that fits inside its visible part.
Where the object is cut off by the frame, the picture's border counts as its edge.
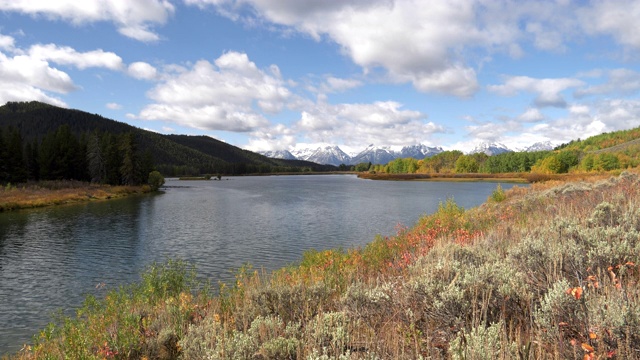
(543, 272)
(503, 177)
(515, 177)
(48, 193)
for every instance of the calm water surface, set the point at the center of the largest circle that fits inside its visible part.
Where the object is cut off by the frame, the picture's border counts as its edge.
(51, 258)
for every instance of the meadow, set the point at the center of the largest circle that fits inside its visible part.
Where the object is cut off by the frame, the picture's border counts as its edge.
(58, 192)
(544, 272)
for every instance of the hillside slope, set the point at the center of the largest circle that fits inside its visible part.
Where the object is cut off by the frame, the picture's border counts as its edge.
(200, 154)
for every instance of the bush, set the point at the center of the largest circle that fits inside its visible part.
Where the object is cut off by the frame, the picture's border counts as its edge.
(155, 180)
(498, 195)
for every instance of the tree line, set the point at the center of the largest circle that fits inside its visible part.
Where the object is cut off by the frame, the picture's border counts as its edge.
(559, 161)
(60, 155)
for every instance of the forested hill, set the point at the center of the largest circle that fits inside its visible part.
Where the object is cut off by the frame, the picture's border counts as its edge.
(172, 154)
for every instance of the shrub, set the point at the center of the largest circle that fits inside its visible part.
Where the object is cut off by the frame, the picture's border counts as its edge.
(155, 180)
(498, 195)
(482, 343)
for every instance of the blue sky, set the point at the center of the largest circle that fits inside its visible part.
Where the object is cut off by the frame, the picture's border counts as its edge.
(285, 74)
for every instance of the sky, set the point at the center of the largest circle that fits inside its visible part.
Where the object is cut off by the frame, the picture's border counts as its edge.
(293, 74)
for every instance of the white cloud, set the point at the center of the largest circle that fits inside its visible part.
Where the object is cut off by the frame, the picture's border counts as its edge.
(25, 70)
(548, 91)
(334, 84)
(28, 74)
(6, 42)
(275, 137)
(618, 18)
(113, 106)
(619, 82)
(142, 70)
(67, 56)
(383, 122)
(434, 46)
(229, 94)
(133, 18)
(15, 91)
(491, 131)
(531, 115)
(455, 80)
(581, 121)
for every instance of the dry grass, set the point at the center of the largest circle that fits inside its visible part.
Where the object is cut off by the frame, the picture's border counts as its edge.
(47, 193)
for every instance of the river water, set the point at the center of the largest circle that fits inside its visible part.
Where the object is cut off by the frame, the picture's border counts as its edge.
(51, 258)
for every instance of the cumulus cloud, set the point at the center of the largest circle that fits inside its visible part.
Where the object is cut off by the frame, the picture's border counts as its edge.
(383, 122)
(548, 91)
(275, 137)
(455, 80)
(64, 55)
(619, 82)
(6, 42)
(142, 70)
(491, 131)
(531, 115)
(424, 44)
(580, 121)
(29, 74)
(25, 70)
(618, 18)
(133, 19)
(15, 91)
(229, 94)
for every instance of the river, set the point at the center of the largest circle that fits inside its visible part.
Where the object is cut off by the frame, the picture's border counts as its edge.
(50, 258)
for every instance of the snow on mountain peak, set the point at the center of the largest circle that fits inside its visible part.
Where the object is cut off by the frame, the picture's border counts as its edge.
(540, 146)
(490, 148)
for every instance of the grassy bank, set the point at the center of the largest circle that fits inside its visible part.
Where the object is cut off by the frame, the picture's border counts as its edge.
(502, 177)
(544, 272)
(47, 193)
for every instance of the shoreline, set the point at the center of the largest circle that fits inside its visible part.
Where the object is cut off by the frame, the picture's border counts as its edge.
(51, 193)
(509, 177)
(518, 178)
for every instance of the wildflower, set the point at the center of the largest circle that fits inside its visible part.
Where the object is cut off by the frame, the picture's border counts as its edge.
(576, 292)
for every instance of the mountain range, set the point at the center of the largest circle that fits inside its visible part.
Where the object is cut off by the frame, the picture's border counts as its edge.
(333, 155)
(205, 154)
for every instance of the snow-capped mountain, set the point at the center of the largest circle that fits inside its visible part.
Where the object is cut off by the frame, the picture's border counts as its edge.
(303, 154)
(331, 155)
(375, 155)
(540, 146)
(419, 151)
(278, 154)
(490, 149)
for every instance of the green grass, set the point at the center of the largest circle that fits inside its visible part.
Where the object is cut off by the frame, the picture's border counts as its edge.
(546, 272)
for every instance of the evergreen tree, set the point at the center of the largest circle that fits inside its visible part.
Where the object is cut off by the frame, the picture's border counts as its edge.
(4, 175)
(31, 157)
(96, 161)
(14, 158)
(113, 159)
(130, 167)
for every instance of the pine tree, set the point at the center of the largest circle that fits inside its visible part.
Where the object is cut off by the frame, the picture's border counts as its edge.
(96, 159)
(31, 157)
(4, 176)
(130, 168)
(15, 164)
